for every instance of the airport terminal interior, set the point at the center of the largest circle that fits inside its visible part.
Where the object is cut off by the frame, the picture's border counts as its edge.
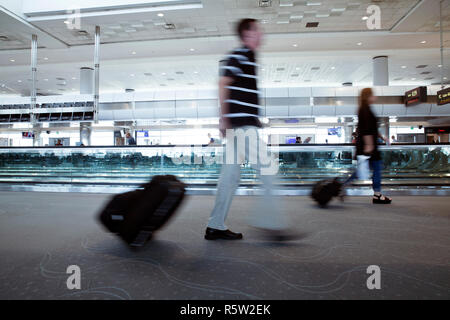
(97, 97)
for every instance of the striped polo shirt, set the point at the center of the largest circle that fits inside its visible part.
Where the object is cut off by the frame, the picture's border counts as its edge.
(243, 99)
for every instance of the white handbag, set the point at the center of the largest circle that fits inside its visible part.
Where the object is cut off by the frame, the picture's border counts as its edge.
(363, 169)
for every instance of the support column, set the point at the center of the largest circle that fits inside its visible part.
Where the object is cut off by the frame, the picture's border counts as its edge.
(348, 130)
(380, 71)
(37, 142)
(86, 80)
(34, 49)
(85, 133)
(97, 73)
(385, 130)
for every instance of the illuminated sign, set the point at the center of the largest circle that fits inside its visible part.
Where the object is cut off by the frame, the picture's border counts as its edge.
(416, 96)
(28, 135)
(443, 97)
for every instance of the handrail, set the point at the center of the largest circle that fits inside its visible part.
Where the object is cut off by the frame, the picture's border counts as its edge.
(206, 145)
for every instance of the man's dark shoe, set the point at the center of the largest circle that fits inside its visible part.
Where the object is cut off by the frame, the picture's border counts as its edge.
(214, 234)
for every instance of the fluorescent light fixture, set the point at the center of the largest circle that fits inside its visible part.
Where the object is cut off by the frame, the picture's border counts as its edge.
(326, 120)
(34, 14)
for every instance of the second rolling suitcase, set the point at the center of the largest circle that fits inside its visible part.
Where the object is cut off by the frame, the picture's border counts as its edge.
(136, 215)
(323, 191)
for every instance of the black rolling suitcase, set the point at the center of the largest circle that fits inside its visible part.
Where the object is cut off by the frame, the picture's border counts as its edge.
(323, 191)
(136, 215)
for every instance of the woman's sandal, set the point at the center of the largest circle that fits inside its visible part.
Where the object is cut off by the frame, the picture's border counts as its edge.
(377, 199)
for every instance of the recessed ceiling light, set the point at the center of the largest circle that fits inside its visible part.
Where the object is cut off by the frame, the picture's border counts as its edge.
(12, 60)
(66, 21)
(132, 75)
(413, 79)
(196, 72)
(133, 53)
(160, 14)
(365, 18)
(445, 78)
(45, 79)
(439, 65)
(295, 45)
(163, 74)
(45, 58)
(19, 81)
(403, 67)
(359, 43)
(423, 42)
(297, 68)
(332, 68)
(191, 49)
(73, 78)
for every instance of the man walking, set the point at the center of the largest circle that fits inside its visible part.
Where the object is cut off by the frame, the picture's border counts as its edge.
(239, 100)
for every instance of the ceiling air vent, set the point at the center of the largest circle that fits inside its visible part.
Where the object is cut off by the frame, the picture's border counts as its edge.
(347, 84)
(265, 3)
(169, 26)
(421, 66)
(312, 24)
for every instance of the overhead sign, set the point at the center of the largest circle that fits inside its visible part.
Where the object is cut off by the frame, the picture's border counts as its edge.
(443, 97)
(416, 96)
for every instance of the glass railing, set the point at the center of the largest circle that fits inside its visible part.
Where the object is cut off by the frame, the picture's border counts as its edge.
(200, 165)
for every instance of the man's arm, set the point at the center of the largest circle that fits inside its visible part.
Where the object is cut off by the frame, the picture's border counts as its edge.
(224, 94)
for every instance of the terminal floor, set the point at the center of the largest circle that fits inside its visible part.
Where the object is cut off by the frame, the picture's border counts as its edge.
(41, 234)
